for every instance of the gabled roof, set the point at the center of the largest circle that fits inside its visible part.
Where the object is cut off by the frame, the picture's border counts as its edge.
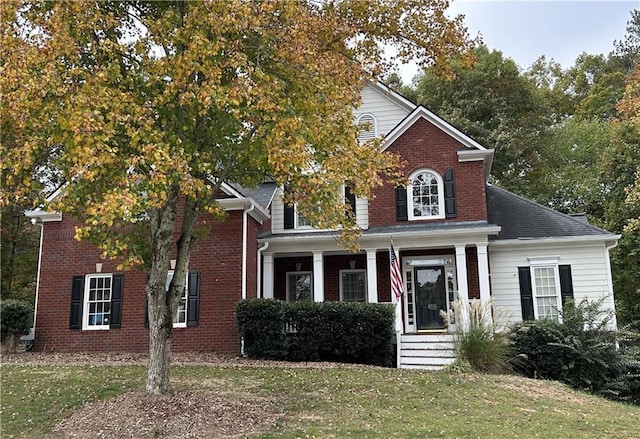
(523, 219)
(471, 151)
(262, 195)
(392, 95)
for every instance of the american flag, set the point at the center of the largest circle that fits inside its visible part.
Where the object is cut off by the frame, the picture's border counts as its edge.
(397, 287)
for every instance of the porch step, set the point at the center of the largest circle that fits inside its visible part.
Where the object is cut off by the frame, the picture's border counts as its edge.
(426, 351)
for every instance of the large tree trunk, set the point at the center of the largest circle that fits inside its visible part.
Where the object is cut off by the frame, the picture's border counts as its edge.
(162, 304)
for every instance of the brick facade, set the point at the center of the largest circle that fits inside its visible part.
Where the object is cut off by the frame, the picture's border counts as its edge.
(216, 256)
(425, 146)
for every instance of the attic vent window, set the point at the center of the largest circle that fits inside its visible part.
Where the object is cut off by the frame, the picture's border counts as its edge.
(368, 127)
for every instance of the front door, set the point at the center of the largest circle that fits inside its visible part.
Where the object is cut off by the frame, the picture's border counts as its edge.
(431, 296)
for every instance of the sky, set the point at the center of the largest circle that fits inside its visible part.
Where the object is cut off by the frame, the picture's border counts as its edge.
(558, 29)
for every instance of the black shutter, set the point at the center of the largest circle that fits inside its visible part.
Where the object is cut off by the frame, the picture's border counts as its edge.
(526, 293)
(193, 299)
(77, 295)
(401, 204)
(116, 300)
(449, 194)
(289, 217)
(350, 199)
(566, 283)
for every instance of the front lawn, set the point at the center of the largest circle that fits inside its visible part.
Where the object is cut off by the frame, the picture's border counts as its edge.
(332, 401)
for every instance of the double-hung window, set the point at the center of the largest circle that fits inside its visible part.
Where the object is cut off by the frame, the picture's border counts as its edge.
(353, 285)
(545, 285)
(97, 301)
(180, 317)
(299, 286)
(546, 291)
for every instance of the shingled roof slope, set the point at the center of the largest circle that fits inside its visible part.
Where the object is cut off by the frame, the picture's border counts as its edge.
(523, 218)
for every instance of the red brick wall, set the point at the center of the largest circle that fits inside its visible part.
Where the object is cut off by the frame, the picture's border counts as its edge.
(473, 280)
(425, 146)
(216, 256)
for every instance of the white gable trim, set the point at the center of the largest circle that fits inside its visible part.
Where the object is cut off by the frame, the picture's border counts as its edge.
(422, 112)
(392, 95)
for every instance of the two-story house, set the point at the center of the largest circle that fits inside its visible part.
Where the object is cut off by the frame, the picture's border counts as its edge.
(456, 236)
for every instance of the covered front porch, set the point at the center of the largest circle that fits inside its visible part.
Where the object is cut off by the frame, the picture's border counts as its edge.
(439, 265)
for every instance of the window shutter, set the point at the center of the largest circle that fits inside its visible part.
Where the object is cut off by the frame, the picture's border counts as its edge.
(449, 194)
(350, 199)
(77, 296)
(289, 217)
(526, 293)
(116, 301)
(566, 283)
(401, 204)
(193, 299)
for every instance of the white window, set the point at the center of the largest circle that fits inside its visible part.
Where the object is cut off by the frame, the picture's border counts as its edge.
(97, 301)
(426, 196)
(546, 291)
(180, 317)
(368, 127)
(301, 221)
(353, 285)
(299, 286)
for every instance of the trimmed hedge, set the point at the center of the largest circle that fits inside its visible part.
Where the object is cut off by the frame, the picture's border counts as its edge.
(309, 331)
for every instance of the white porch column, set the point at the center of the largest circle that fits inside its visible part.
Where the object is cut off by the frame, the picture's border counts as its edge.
(463, 285)
(483, 272)
(318, 277)
(267, 276)
(372, 276)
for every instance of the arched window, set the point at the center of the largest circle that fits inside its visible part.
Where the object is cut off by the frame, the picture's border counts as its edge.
(368, 127)
(426, 195)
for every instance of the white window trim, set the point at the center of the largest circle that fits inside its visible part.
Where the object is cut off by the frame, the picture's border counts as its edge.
(85, 302)
(440, 196)
(546, 262)
(310, 273)
(185, 297)
(355, 270)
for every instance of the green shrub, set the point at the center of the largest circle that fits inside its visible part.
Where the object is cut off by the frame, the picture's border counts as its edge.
(581, 351)
(477, 343)
(309, 331)
(16, 317)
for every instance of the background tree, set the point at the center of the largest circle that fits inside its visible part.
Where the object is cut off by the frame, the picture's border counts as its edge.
(137, 105)
(495, 105)
(18, 255)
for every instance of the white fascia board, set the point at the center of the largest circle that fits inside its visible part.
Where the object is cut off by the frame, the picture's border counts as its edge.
(386, 91)
(229, 190)
(534, 242)
(422, 112)
(43, 216)
(258, 213)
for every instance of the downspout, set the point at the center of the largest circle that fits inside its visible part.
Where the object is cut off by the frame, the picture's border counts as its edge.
(245, 240)
(259, 268)
(35, 308)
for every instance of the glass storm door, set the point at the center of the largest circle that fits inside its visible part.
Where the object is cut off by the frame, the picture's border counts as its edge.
(431, 297)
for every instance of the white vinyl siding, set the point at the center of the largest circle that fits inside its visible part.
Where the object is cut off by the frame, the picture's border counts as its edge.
(388, 113)
(589, 273)
(277, 215)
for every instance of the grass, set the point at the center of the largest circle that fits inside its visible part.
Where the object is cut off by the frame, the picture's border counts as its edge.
(337, 402)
